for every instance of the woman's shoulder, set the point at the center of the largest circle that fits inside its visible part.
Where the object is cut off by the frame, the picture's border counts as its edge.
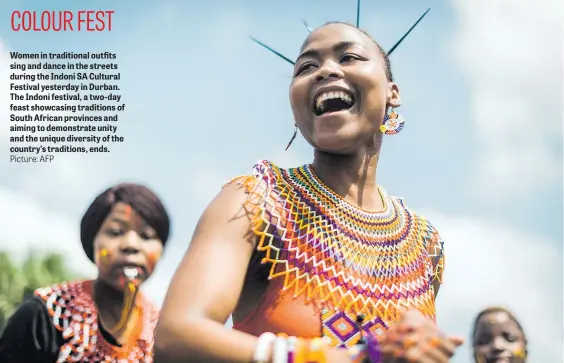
(71, 289)
(264, 178)
(32, 307)
(74, 297)
(30, 311)
(257, 190)
(262, 171)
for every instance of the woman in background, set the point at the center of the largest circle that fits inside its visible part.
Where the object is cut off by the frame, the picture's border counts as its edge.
(108, 319)
(498, 337)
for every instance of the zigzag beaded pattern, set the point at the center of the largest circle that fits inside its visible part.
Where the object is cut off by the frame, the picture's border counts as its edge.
(351, 260)
(74, 314)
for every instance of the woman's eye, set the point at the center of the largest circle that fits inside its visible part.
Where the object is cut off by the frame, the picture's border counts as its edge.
(148, 236)
(349, 58)
(484, 339)
(304, 68)
(115, 232)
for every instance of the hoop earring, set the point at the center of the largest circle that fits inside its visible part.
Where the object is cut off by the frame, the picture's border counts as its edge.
(293, 137)
(393, 123)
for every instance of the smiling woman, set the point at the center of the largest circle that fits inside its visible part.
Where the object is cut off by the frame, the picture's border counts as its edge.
(123, 232)
(319, 78)
(498, 337)
(318, 263)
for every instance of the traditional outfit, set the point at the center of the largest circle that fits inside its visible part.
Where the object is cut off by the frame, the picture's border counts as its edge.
(330, 262)
(61, 324)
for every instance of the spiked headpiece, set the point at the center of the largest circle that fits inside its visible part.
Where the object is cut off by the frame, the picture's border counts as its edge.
(357, 25)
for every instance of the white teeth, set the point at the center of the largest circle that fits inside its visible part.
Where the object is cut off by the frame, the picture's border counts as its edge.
(331, 95)
(131, 272)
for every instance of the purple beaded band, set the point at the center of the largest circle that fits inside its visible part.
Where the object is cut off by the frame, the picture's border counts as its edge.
(373, 349)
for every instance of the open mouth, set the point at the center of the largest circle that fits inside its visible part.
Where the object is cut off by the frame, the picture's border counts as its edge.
(333, 101)
(499, 360)
(131, 270)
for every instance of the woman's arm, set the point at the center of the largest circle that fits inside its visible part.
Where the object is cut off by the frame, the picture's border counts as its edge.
(206, 288)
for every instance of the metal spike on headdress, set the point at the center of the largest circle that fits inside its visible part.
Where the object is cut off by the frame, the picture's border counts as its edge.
(409, 31)
(307, 26)
(273, 51)
(357, 25)
(358, 14)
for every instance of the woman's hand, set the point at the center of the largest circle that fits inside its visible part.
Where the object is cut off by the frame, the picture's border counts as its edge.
(338, 355)
(416, 339)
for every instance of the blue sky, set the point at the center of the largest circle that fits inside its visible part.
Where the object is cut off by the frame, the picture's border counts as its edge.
(204, 103)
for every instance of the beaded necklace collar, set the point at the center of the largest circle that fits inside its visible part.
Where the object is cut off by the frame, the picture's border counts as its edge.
(75, 315)
(352, 261)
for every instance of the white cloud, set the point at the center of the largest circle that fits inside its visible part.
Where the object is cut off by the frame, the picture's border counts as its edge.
(511, 53)
(27, 225)
(493, 265)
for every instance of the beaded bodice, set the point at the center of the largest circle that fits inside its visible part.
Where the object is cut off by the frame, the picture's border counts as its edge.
(351, 261)
(75, 315)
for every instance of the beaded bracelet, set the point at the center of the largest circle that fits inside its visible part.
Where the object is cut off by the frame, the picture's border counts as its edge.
(289, 349)
(263, 347)
(280, 351)
(298, 350)
(316, 351)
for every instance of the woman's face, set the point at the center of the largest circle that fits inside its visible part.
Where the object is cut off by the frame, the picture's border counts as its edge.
(498, 339)
(125, 242)
(340, 92)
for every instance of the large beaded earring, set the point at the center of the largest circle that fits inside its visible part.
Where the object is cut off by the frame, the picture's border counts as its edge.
(393, 123)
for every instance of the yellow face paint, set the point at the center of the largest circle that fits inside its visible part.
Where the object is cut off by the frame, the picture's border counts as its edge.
(519, 354)
(103, 256)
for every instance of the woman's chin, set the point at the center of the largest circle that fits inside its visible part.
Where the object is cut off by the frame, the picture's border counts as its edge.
(335, 143)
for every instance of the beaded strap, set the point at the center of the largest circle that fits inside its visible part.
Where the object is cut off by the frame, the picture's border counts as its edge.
(373, 349)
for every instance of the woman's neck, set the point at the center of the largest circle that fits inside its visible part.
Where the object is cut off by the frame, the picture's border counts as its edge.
(110, 302)
(351, 177)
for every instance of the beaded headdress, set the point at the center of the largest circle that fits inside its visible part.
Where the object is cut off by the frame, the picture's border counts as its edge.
(357, 25)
